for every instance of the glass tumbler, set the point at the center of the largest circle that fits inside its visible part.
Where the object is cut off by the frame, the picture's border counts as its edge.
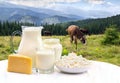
(45, 60)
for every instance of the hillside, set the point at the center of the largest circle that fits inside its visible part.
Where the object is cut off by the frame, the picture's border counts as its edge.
(96, 26)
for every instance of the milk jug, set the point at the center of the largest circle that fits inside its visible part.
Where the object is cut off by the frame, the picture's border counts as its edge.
(31, 41)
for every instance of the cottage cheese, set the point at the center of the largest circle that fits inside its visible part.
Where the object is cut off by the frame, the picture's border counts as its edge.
(72, 61)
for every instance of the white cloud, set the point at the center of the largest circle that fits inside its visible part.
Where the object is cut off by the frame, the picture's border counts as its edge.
(109, 3)
(96, 1)
(115, 9)
(30, 3)
(40, 3)
(49, 1)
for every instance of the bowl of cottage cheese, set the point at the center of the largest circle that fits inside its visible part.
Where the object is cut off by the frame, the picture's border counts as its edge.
(73, 63)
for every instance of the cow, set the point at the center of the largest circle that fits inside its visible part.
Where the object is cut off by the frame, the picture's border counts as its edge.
(47, 33)
(75, 33)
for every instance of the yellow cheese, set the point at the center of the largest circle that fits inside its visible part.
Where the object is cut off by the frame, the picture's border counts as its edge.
(20, 64)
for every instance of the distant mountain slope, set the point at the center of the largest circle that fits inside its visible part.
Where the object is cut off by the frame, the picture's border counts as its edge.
(108, 20)
(17, 14)
(56, 19)
(25, 15)
(96, 26)
(12, 12)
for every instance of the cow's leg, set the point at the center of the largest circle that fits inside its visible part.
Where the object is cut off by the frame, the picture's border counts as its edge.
(75, 39)
(71, 38)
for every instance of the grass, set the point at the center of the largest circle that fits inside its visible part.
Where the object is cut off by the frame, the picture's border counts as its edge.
(93, 50)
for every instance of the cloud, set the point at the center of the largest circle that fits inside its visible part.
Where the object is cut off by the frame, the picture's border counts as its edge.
(41, 3)
(1, 1)
(96, 1)
(48, 1)
(115, 9)
(109, 3)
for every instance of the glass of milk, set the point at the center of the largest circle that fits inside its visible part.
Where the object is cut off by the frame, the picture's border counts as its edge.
(45, 60)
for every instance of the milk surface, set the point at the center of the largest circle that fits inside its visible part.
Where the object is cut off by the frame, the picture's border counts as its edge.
(45, 59)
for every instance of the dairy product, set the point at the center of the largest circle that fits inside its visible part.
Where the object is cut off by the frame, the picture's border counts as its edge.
(72, 61)
(19, 63)
(54, 43)
(31, 40)
(45, 60)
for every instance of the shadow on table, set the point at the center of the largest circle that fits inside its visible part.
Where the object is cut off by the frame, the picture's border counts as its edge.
(73, 73)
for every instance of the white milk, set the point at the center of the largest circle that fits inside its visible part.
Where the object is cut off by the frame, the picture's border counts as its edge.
(54, 43)
(45, 60)
(30, 42)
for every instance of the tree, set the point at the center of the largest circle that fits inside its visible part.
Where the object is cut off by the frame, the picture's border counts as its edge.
(111, 36)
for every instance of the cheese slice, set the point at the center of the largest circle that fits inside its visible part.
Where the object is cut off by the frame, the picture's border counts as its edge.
(19, 63)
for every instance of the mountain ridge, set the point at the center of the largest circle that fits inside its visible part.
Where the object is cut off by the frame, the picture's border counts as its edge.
(36, 15)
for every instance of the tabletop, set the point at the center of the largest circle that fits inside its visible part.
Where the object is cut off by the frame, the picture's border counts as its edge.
(99, 72)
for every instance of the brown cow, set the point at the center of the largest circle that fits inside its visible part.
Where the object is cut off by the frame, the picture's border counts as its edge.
(85, 31)
(47, 33)
(75, 34)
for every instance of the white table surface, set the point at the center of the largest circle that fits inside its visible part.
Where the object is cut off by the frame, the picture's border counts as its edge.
(99, 72)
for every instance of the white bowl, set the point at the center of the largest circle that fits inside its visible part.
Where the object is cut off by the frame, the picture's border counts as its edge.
(73, 70)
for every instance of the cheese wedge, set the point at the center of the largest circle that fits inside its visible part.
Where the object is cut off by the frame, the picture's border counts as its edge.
(19, 63)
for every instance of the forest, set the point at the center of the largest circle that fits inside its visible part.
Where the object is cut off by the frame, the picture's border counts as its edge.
(94, 26)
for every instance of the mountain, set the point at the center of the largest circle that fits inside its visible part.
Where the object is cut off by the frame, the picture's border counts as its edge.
(57, 19)
(95, 26)
(11, 12)
(54, 12)
(24, 19)
(18, 14)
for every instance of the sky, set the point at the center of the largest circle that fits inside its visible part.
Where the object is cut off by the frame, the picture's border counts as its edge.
(93, 8)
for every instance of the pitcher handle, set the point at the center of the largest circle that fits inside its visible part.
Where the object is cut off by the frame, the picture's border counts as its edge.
(11, 40)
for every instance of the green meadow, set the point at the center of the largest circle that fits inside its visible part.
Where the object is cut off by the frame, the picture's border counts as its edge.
(93, 50)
